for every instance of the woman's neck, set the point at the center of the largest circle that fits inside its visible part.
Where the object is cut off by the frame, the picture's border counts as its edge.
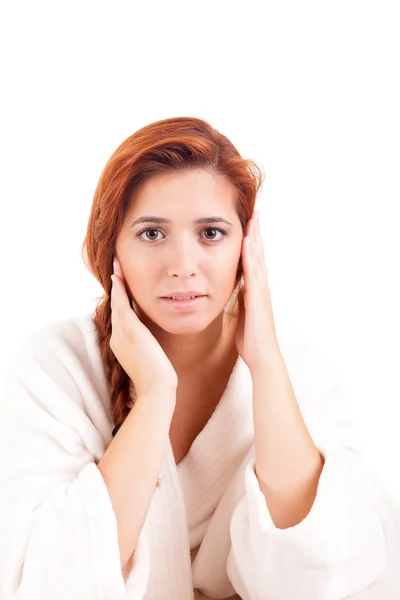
(196, 355)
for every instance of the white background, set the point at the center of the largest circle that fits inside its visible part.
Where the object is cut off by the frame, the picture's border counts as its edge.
(310, 90)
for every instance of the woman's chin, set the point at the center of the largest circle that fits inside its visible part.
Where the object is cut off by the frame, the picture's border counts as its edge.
(187, 324)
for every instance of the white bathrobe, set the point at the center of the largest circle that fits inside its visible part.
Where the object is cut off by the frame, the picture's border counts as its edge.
(208, 533)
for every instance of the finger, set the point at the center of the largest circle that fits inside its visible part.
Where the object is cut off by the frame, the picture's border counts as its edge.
(247, 255)
(118, 272)
(118, 268)
(257, 235)
(119, 297)
(250, 225)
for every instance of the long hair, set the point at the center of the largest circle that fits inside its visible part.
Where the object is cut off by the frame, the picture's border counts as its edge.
(174, 144)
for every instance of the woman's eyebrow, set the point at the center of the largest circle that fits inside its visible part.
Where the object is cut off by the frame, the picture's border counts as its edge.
(161, 220)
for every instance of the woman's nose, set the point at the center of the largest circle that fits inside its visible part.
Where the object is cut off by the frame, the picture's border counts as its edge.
(182, 257)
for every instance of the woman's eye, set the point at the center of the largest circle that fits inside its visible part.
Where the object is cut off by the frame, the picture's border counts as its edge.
(215, 229)
(147, 231)
(155, 230)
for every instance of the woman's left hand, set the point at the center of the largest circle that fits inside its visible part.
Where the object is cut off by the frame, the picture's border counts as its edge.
(255, 337)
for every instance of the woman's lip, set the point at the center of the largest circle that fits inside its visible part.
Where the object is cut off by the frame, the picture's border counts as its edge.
(196, 296)
(184, 304)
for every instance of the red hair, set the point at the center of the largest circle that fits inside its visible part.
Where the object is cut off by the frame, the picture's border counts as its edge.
(174, 144)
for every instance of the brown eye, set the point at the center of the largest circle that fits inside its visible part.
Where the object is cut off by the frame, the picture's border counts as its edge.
(210, 229)
(147, 230)
(222, 231)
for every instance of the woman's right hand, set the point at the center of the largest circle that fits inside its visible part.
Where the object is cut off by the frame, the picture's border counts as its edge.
(134, 346)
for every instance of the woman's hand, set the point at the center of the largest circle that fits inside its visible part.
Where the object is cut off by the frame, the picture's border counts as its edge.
(134, 346)
(256, 339)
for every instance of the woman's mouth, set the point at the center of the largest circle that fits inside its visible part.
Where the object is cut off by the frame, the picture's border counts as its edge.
(185, 304)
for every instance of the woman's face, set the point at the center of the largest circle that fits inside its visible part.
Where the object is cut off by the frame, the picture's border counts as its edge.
(181, 254)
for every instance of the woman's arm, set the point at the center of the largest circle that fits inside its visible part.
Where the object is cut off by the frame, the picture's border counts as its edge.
(339, 546)
(132, 461)
(288, 463)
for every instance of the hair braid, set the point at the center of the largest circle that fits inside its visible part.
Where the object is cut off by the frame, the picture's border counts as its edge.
(122, 388)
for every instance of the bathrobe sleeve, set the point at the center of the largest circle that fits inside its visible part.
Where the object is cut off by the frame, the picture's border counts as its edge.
(340, 547)
(58, 530)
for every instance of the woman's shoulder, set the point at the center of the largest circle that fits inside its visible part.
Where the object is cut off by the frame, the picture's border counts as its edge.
(319, 384)
(309, 366)
(57, 370)
(61, 350)
(75, 334)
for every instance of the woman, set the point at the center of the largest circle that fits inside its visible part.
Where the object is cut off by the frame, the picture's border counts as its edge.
(180, 443)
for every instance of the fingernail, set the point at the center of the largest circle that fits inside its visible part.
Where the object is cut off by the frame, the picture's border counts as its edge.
(115, 264)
